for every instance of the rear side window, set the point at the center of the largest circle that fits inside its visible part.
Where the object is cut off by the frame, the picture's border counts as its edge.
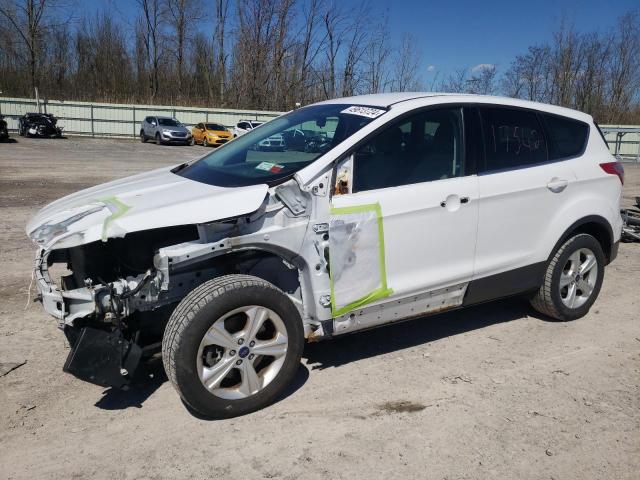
(512, 138)
(567, 137)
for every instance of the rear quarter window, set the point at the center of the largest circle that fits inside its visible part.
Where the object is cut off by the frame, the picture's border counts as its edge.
(513, 138)
(567, 137)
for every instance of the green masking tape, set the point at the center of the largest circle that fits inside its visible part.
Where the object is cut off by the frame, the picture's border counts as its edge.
(120, 210)
(378, 293)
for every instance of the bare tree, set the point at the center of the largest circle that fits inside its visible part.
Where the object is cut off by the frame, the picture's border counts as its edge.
(182, 16)
(29, 20)
(482, 81)
(456, 82)
(149, 31)
(307, 50)
(377, 57)
(333, 20)
(358, 40)
(528, 75)
(270, 54)
(624, 66)
(405, 67)
(221, 17)
(103, 67)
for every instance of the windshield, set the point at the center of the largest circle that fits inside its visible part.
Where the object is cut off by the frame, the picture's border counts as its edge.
(169, 122)
(214, 126)
(281, 147)
(256, 124)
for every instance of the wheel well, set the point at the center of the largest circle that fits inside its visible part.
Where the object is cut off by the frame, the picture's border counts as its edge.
(598, 228)
(262, 264)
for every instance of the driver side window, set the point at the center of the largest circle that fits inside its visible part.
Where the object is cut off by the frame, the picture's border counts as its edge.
(424, 147)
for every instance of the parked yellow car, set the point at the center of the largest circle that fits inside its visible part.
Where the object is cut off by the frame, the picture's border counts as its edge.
(210, 134)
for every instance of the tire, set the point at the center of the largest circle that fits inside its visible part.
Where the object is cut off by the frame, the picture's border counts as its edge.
(159, 139)
(205, 142)
(143, 137)
(192, 323)
(554, 299)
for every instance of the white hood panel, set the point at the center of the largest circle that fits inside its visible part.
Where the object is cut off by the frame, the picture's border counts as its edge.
(149, 200)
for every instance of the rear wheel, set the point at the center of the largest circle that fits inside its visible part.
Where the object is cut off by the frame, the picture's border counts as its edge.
(232, 345)
(143, 137)
(573, 279)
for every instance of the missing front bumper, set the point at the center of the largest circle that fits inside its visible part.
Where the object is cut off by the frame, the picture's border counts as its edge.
(102, 358)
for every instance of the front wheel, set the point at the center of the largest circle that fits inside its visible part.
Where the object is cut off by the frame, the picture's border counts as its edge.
(232, 346)
(205, 142)
(573, 279)
(159, 139)
(143, 137)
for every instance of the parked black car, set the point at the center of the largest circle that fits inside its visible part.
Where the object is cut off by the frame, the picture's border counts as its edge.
(4, 133)
(39, 125)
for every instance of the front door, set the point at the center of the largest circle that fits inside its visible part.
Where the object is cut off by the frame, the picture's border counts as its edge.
(413, 175)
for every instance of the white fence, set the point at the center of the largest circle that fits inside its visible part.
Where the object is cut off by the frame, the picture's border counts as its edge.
(111, 119)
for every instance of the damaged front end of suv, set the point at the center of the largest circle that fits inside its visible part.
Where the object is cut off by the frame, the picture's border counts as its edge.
(115, 260)
(120, 286)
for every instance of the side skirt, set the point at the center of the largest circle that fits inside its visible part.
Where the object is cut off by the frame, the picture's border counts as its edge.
(505, 284)
(401, 309)
(494, 287)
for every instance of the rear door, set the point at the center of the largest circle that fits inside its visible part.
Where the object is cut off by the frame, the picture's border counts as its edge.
(414, 175)
(520, 190)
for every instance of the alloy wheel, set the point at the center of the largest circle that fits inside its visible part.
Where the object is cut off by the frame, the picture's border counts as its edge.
(578, 278)
(242, 352)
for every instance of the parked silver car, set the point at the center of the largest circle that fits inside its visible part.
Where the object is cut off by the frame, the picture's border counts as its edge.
(164, 130)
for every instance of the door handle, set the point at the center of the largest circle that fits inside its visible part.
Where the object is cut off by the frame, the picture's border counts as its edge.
(557, 185)
(463, 200)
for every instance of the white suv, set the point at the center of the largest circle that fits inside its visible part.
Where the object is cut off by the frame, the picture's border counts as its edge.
(419, 203)
(245, 126)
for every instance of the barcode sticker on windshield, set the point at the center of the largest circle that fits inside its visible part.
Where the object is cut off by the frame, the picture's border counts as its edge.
(269, 167)
(368, 112)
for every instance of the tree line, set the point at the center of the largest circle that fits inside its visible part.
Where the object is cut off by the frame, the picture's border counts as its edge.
(275, 54)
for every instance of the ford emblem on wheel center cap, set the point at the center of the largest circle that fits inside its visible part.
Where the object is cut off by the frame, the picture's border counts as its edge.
(243, 352)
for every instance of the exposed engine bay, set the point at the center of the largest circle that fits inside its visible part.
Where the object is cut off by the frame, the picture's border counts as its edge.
(118, 294)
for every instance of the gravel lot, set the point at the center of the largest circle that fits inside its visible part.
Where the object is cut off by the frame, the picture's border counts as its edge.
(490, 392)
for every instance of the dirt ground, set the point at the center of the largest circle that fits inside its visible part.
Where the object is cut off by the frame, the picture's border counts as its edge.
(489, 392)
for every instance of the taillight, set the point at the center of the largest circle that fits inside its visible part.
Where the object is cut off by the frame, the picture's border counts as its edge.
(614, 168)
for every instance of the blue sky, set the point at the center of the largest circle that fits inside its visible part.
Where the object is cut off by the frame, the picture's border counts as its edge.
(466, 33)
